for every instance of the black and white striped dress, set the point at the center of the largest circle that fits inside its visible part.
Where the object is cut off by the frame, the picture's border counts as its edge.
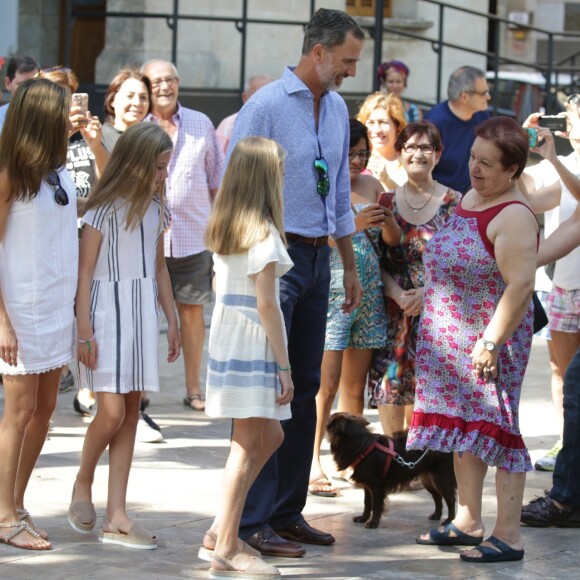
(124, 308)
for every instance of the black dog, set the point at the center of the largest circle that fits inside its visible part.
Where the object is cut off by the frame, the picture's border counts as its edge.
(352, 444)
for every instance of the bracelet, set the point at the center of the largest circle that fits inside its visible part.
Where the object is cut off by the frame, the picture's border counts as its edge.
(87, 343)
(281, 368)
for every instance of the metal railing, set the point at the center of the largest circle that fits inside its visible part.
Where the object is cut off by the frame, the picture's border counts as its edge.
(438, 44)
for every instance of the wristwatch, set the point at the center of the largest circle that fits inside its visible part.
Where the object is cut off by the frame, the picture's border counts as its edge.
(488, 344)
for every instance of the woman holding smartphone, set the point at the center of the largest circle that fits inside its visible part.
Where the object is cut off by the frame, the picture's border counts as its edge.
(421, 207)
(350, 338)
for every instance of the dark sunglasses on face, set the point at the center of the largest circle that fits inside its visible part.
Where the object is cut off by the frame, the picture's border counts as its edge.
(363, 154)
(323, 184)
(60, 195)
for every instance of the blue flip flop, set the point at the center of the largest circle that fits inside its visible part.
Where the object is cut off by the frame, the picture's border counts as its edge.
(504, 553)
(437, 538)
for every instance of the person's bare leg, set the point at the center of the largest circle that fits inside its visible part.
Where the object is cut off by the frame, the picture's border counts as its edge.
(355, 367)
(19, 406)
(36, 430)
(470, 472)
(392, 418)
(509, 489)
(329, 380)
(107, 422)
(120, 458)
(564, 345)
(192, 331)
(557, 388)
(253, 442)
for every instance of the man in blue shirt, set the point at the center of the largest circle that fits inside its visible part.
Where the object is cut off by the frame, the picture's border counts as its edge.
(303, 112)
(21, 67)
(456, 118)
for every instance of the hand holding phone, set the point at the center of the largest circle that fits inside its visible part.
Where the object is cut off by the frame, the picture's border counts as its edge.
(80, 102)
(387, 200)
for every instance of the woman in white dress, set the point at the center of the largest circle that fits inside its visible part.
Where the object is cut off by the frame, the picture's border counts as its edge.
(248, 376)
(38, 274)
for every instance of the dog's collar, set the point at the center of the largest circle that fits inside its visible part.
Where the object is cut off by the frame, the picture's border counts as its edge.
(389, 451)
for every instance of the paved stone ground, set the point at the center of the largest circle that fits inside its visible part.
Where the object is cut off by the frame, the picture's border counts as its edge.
(175, 488)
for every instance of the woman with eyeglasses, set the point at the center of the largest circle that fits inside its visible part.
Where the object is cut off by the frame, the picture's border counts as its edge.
(351, 338)
(38, 275)
(384, 118)
(421, 207)
(127, 102)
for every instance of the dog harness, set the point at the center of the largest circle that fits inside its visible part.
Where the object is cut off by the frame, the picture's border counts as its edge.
(389, 451)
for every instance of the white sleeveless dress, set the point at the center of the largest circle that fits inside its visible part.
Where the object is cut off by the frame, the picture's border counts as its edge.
(38, 278)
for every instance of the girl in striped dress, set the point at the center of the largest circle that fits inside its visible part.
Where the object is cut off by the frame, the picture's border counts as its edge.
(248, 377)
(122, 278)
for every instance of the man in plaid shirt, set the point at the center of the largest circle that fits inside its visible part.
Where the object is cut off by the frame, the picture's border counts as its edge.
(194, 175)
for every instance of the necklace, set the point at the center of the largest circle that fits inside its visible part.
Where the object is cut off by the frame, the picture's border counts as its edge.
(482, 200)
(414, 208)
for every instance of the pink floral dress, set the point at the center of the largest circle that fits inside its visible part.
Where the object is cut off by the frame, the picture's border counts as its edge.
(456, 410)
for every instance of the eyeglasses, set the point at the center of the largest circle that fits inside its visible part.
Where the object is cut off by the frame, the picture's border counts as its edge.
(362, 154)
(424, 147)
(323, 185)
(60, 195)
(480, 93)
(155, 83)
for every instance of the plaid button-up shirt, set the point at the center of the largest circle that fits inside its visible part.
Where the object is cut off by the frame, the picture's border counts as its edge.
(195, 168)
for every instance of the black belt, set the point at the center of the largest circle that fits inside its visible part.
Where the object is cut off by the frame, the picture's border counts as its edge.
(320, 241)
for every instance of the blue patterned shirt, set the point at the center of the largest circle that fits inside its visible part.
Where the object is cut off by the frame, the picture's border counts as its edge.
(284, 111)
(3, 110)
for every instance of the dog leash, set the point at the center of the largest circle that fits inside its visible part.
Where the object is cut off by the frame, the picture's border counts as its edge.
(391, 454)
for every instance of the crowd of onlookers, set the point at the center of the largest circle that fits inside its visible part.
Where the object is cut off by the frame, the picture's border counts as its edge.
(389, 257)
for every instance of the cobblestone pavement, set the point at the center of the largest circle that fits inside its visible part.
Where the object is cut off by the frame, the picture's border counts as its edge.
(175, 486)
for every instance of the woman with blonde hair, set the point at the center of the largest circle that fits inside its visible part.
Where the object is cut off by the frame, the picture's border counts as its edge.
(249, 376)
(384, 118)
(122, 281)
(38, 274)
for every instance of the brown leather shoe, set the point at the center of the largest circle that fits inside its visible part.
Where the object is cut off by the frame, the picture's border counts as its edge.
(302, 532)
(268, 543)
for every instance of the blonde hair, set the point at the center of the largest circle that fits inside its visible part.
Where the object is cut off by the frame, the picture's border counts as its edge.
(390, 103)
(249, 198)
(35, 136)
(130, 171)
(60, 75)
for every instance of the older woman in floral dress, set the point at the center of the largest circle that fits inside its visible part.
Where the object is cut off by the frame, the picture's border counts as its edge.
(474, 342)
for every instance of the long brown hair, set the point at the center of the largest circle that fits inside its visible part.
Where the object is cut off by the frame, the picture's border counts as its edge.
(130, 171)
(249, 198)
(35, 136)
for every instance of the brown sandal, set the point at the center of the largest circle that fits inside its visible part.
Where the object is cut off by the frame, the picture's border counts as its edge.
(195, 402)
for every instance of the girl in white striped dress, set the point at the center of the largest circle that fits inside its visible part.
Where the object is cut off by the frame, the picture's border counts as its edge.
(248, 370)
(122, 278)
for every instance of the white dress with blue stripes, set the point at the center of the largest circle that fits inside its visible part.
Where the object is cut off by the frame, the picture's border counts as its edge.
(242, 379)
(124, 309)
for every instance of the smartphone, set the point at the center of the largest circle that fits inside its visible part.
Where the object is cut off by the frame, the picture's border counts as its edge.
(532, 136)
(386, 199)
(553, 122)
(81, 100)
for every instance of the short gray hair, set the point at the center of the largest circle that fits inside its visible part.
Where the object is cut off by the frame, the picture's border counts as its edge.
(253, 78)
(463, 80)
(329, 28)
(147, 64)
